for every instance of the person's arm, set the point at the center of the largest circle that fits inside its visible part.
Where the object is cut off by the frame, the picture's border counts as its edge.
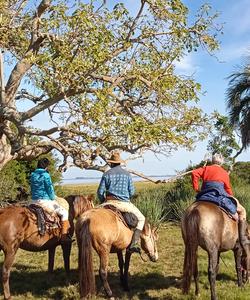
(49, 186)
(101, 190)
(196, 175)
(227, 185)
(131, 187)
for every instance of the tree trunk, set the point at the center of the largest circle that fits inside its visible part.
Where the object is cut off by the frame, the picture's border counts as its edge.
(5, 152)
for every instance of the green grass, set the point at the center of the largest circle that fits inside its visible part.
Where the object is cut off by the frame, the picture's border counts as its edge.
(160, 280)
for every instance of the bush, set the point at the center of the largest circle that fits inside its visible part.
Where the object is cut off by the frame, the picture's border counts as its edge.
(178, 198)
(151, 204)
(15, 176)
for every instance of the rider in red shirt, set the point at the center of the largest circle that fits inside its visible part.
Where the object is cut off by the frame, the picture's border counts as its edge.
(211, 173)
(215, 173)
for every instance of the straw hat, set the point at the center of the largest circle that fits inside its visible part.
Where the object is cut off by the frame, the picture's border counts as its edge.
(115, 158)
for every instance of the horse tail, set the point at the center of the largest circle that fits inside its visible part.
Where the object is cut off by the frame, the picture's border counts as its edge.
(86, 270)
(191, 227)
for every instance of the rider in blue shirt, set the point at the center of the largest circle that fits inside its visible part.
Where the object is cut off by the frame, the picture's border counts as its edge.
(116, 188)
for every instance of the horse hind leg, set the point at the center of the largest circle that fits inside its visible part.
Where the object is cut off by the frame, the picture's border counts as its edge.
(103, 272)
(196, 278)
(7, 264)
(212, 272)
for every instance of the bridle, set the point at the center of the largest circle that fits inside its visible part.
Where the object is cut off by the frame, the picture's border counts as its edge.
(152, 240)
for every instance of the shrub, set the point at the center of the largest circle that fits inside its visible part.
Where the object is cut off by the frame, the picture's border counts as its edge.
(151, 204)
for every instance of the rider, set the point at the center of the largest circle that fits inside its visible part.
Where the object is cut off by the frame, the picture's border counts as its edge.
(116, 188)
(43, 194)
(216, 178)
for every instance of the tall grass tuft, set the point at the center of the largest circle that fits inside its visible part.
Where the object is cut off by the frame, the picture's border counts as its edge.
(178, 198)
(151, 204)
(242, 193)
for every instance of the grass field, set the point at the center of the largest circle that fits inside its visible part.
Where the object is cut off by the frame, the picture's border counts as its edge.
(160, 280)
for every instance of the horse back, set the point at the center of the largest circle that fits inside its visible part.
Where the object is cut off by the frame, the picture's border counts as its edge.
(105, 228)
(213, 226)
(18, 225)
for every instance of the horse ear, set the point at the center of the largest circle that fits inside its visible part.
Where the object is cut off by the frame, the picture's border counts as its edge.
(146, 228)
(155, 232)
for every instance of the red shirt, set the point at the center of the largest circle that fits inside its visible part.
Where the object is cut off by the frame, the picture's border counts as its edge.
(211, 173)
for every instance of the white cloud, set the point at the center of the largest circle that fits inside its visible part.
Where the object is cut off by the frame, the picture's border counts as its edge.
(186, 65)
(234, 51)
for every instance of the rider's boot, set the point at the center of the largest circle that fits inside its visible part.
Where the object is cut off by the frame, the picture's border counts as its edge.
(243, 237)
(65, 236)
(134, 246)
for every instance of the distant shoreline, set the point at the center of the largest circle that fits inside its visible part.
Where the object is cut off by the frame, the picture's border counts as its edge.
(99, 177)
(90, 180)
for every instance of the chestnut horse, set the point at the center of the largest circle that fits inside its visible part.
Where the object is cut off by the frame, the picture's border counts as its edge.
(18, 229)
(206, 225)
(104, 230)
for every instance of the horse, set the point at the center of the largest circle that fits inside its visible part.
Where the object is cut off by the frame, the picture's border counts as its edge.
(18, 229)
(106, 232)
(204, 224)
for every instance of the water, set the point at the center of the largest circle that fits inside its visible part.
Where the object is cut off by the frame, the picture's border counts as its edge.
(84, 180)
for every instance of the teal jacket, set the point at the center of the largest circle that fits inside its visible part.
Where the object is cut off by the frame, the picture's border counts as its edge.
(41, 185)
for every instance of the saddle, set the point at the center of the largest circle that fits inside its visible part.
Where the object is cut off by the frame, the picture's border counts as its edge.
(46, 221)
(129, 219)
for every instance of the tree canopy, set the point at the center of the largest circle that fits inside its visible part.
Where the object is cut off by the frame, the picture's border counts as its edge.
(106, 77)
(238, 103)
(223, 138)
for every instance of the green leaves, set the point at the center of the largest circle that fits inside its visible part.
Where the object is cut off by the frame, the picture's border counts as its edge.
(110, 74)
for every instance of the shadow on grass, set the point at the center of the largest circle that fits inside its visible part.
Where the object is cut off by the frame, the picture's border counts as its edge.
(39, 283)
(139, 284)
(25, 279)
(220, 276)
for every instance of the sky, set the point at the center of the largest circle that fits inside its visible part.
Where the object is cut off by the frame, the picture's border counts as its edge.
(212, 72)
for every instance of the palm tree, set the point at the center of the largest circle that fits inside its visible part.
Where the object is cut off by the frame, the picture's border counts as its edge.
(238, 104)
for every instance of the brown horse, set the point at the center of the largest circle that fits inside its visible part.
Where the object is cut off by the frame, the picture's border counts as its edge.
(104, 230)
(206, 225)
(18, 229)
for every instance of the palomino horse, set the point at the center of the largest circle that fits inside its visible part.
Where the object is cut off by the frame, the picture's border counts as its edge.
(18, 229)
(104, 230)
(206, 225)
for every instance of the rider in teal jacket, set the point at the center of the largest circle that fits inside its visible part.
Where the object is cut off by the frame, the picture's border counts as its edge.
(41, 185)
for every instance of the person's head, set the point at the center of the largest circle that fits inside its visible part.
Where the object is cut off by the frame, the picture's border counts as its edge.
(115, 160)
(217, 159)
(43, 163)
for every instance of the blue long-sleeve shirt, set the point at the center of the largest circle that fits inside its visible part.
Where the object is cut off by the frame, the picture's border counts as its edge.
(116, 182)
(41, 185)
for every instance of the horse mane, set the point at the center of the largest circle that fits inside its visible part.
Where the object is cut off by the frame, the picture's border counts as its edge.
(79, 203)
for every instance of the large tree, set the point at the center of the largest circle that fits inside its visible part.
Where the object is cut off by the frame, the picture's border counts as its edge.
(106, 77)
(238, 103)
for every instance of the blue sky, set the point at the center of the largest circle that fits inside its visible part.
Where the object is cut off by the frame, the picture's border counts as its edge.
(211, 72)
